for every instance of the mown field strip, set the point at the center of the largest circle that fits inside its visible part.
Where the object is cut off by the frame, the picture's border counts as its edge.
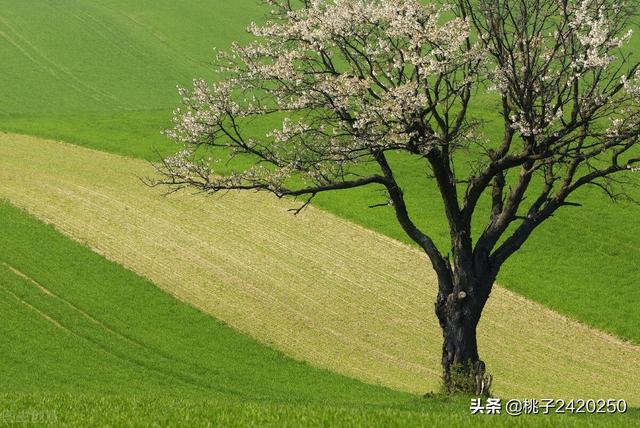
(314, 286)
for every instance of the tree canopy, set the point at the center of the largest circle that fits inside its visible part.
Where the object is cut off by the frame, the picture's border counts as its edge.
(351, 80)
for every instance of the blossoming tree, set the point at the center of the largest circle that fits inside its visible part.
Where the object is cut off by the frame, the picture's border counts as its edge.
(352, 80)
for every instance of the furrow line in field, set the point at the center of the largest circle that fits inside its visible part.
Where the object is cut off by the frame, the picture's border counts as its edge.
(54, 67)
(192, 294)
(569, 355)
(314, 286)
(89, 317)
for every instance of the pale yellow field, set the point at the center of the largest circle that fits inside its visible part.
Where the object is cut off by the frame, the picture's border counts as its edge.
(316, 287)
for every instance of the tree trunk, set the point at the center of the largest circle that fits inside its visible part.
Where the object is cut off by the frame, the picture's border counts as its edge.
(459, 313)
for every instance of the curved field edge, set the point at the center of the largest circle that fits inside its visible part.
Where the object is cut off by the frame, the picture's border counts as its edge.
(73, 337)
(89, 343)
(581, 263)
(318, 288)
(121, 59)
(73, 322)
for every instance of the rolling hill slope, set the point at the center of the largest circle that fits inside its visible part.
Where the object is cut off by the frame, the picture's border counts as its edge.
(103, 75)
(314, 286)
(74, 321)
(86, 342)
(75, 56)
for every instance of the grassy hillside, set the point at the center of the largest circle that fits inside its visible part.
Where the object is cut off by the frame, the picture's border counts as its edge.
(103, 75)
(316, 287)
(78, 55)
(72, 321)
(121, 60)
(61, 335)
(70, 358)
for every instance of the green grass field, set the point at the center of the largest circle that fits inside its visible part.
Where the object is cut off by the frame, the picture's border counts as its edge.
(64, 334)
(123, 411)
(103, 75)
(314, 286)
(124, 68)
(75, 361)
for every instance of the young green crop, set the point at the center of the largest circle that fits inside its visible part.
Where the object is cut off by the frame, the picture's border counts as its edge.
(75, 322)
(315, 286)
(70, 358)
(115, 410)
(121, 61)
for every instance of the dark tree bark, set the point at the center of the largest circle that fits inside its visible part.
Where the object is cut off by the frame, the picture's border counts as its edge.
(459, 313)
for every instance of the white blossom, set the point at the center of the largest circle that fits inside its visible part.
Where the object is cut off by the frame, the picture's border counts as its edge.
(349, 78)
(593, 29)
